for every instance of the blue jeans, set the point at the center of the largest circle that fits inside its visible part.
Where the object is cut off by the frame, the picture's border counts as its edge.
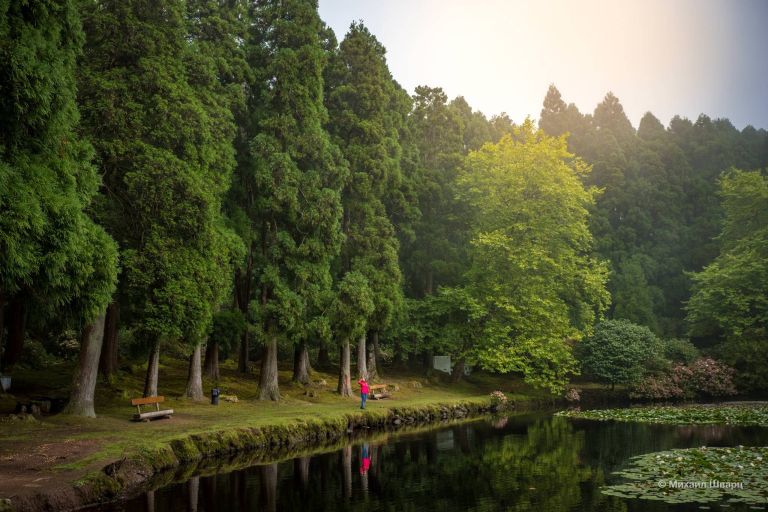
(363, 398)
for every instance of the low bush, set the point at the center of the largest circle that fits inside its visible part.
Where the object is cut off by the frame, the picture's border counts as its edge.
(703, 378)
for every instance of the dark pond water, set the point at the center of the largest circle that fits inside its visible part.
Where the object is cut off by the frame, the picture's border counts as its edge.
(533, 462)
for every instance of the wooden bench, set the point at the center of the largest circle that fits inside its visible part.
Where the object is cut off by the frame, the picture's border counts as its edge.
(146, 416)
(379, 391)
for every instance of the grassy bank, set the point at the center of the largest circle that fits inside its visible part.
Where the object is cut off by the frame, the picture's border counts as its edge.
(63, 450)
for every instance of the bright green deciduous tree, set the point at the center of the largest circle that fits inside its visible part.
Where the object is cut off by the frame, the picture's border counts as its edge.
(532, 266)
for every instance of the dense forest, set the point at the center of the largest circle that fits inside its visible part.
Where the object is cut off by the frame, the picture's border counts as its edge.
(225, 179)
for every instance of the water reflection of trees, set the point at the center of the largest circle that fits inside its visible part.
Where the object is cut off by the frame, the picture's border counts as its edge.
(526, 463)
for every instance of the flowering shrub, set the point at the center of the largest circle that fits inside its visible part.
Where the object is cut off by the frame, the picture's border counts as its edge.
(498, 400)
(657, 387)
(703, 377)
(712, 378)
(573, 395)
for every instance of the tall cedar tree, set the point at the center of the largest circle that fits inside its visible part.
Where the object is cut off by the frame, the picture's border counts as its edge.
(52, 256)
(218, 31)
(164, 147)
(216, 69)
(288, 185)
(366, 128)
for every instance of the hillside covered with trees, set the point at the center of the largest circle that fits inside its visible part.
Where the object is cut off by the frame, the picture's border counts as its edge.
(228, 180)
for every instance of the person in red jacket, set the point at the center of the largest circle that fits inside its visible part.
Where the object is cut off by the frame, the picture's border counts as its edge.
(363, 392)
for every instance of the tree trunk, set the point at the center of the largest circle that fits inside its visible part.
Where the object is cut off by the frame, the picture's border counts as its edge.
(346, 458)
(301, 366)
(242, 361)
(211, 365)
(374, 357)
(345, 386)
(413, 360)
(269, 487)
(458, 370)
(2, 332)
(108, 360)
(150, 501)
(195, 375)
(268, 385)
(210, 498)
(323, 357)
(427, 361)
(362, 359)
(153, 365)
(243, 297)
(301, 472)
(87, 371)
(373, 372)
(194, 491)
(17, 323)
(397, 358)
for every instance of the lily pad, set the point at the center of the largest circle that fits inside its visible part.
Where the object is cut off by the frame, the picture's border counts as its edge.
(696, 475)
(741, 415)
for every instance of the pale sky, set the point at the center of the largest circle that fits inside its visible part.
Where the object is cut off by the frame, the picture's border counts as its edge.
(671, 57)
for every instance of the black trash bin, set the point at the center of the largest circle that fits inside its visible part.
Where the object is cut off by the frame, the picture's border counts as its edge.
(215, 396)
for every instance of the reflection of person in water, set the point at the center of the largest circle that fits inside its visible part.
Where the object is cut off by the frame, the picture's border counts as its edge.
(365, 465)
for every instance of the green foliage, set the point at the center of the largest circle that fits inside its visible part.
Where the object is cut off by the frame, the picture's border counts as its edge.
(286, 197)
(227, 328)
(531, 264)
(366, 128)
(352, 306)
(449, 322)
(730, 295)
(163, 131)
(36, 356)
(657, 217)
(619, 352)
(435, 258)
(50, 251)
(677, 350)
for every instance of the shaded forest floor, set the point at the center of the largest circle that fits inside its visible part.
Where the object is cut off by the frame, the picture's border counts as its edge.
(54, 449)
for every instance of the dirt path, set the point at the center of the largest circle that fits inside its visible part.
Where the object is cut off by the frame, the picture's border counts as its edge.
(28, 467)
